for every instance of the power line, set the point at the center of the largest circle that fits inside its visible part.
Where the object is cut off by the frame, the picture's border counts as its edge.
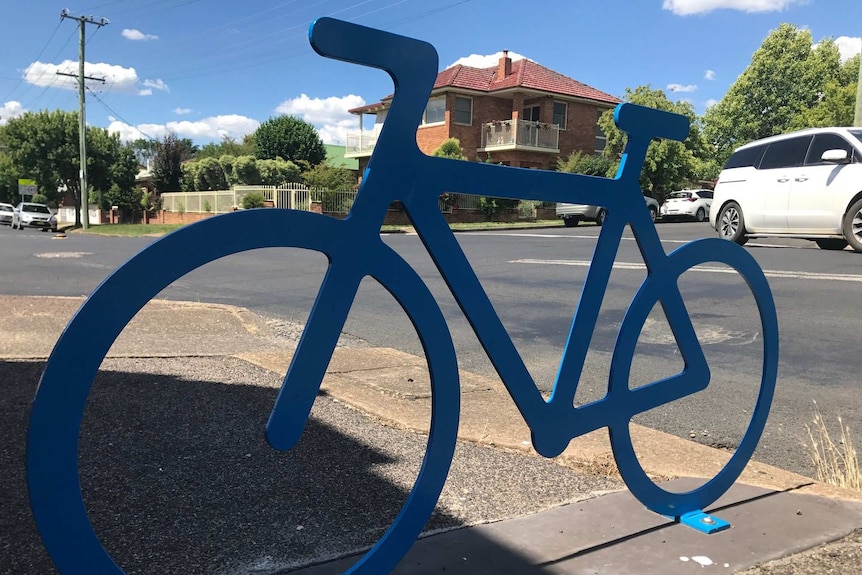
(118, 116)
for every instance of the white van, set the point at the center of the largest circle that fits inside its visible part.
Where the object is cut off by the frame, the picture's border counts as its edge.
(805, 184)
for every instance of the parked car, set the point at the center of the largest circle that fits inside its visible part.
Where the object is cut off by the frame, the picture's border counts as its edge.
(805, 184)
(573, 214)
(28, 214)
(6, 212)
(687, 204)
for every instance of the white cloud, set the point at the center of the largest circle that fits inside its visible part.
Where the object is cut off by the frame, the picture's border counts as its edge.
(486, 61)
(848, 47)
(157, 84)
(711, 102)
(328, 115)
(9, 110)
(709, 75)
(132, 34)
(212, 128)
(689, 7)
(681, 87)
(182, 111)
(117, 78)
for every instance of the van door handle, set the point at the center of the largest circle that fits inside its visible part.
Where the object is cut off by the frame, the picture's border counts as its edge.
(782, 180)
(802, 179)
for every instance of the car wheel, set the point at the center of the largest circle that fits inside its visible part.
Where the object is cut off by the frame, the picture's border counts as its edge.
(600, 217)
(831, 244)
(700, 215)
(570, 222)
(852, 227)
(653, 214)
(730, 224)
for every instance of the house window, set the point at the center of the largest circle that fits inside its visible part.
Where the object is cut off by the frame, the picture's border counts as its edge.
(463, 110)
(531, 114)
(601, 138)
(560, 109)
(435, 111)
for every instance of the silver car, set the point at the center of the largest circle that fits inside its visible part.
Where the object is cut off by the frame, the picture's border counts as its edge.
(31, 215)
(6, 213)
(573, 214)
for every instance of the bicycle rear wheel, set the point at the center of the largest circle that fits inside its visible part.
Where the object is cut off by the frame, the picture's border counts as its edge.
(650, 293)
(58, 407)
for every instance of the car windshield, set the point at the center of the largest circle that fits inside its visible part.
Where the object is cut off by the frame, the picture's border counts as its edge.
(857, 133)
(35, 208)
(679, 196)
(5, 208)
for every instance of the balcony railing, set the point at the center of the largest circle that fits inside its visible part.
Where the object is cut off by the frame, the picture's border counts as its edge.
(360, 144)
(511, 134)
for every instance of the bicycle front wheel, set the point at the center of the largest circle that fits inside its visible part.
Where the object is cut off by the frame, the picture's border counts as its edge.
(683, 259)
(58, 408)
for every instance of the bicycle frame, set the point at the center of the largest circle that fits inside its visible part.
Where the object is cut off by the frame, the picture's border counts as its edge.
(397, 164)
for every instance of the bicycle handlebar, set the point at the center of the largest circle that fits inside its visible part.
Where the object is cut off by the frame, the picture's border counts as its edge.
(411, 63)
(648, 123)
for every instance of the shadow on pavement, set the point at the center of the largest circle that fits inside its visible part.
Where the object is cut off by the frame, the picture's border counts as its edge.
(177, 478)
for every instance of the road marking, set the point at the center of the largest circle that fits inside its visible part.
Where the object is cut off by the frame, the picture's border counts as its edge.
(664, 241)
(702, 268)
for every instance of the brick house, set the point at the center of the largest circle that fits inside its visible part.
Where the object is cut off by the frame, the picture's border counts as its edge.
(518, 113)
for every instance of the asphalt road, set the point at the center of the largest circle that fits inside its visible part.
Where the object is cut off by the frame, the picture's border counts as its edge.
(533, 278)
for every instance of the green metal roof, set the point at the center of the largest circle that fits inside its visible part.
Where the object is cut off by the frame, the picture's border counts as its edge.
(335, 155)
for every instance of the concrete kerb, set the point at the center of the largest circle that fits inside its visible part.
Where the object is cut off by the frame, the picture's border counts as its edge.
(391, 386)
(388, 384)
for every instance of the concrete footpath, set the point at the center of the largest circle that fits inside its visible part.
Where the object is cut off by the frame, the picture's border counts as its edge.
(177, 477)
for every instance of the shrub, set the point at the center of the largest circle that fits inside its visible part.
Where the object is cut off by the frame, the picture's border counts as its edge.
(39, 199)
(253, 200)
(207, 206)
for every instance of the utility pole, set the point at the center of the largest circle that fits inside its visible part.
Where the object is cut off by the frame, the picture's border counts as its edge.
(82, 110)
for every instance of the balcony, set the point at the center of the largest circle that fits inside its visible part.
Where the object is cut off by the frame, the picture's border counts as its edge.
(520, 135)
(360, 144)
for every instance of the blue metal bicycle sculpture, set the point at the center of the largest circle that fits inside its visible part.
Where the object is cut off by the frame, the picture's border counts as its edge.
(399, 171)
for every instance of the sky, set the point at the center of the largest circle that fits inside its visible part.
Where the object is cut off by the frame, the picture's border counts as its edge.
(209, 69)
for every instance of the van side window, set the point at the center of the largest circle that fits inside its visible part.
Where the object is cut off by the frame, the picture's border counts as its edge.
(823, 142)
(746, 158)
(789, 153)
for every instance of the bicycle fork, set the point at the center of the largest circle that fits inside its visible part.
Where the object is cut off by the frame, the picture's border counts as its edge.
(312, 355)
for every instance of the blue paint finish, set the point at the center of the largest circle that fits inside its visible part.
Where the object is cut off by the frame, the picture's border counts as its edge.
(703, 522)
(398, 170)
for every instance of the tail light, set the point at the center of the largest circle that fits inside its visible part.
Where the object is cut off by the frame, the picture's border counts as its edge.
(691, 199)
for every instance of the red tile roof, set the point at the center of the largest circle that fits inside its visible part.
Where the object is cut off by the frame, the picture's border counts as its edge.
(525, 74)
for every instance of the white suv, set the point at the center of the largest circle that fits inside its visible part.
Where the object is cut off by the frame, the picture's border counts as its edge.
(805, 184)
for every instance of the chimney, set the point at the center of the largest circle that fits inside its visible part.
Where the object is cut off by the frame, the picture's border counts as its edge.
(504, 67)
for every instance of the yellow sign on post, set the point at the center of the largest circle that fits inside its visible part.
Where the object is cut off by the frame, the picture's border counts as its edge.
(27, 187)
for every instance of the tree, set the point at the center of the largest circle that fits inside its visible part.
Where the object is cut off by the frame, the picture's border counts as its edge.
(44, 146)
(591, 165)
(8, 179)
(289, 138)
(450, 148)
(227, 147)
(837, 103)
(787, 76)
(144, 149)
(277, 172)
(171, 152)
(669, 165)
(123, 192)
(329, 177)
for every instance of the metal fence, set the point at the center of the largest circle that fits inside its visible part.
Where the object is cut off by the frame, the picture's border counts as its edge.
(299, 197)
